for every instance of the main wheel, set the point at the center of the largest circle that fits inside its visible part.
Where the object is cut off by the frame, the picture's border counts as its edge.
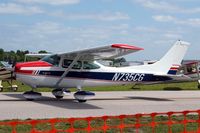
(83, 96)
(59, 97)
(82, 101)
(30, 99)
(58, 93)
(199, 86)
(1, 89)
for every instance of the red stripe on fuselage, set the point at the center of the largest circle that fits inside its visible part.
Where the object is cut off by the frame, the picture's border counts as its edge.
(33, 64)
(25, 71)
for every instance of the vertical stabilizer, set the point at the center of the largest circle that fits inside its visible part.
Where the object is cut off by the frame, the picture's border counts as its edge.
(171, 61)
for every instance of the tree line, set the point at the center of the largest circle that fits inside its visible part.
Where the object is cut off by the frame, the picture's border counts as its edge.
(15, 56)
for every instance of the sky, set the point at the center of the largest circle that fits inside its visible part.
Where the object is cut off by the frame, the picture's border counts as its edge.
(68, 25)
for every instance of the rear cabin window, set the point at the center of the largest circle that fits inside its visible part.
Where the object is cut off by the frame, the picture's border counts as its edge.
(67, 62)
(90, 65)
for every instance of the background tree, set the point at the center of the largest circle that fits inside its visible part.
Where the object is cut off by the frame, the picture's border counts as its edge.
(42, 52)
(1, 54)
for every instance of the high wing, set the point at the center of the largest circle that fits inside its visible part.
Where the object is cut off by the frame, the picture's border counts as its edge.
(105, 52)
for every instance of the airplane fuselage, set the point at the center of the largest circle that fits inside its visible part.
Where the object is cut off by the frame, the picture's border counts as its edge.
(44, 74)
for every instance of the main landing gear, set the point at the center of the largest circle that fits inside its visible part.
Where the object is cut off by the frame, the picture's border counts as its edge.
(80, 96)
(83, 96)
(59, 93)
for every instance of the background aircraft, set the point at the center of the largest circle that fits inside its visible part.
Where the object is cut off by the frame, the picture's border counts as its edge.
(191, 68)
(7, 75)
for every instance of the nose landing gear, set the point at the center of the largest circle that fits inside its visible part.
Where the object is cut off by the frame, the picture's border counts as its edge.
(32, 95)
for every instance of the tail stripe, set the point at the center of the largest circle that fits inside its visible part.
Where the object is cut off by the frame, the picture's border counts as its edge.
(173, 70)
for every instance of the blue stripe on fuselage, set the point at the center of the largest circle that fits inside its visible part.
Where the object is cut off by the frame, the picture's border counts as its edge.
(139, 77)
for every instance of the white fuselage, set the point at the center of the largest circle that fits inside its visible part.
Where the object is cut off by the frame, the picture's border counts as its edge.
(103, 76)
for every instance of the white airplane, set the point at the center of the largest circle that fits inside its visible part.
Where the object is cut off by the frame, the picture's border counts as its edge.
(80, 69)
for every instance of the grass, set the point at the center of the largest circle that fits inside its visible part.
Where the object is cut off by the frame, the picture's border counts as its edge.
(98, 123)
(167, 86)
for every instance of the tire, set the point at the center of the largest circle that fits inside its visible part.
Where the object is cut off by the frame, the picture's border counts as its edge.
(31, 95)
(59, 97)
(29, 99)
(82, 101)
(1, 89)
(199, 86)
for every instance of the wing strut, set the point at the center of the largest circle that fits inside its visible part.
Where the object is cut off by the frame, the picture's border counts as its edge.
(67, 70)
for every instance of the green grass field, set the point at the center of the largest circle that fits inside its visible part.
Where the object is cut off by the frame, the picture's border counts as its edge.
(167, 86)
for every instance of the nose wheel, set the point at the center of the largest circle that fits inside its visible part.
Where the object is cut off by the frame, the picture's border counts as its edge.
(32, 95)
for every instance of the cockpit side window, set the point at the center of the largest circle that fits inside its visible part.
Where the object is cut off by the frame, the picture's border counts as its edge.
(67, 62)
(77, 65)
(52, 59)
(90, 65)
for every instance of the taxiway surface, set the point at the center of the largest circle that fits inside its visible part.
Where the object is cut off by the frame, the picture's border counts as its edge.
(14, 106)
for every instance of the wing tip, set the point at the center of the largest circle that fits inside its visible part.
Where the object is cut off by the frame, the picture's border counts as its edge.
(126, 46)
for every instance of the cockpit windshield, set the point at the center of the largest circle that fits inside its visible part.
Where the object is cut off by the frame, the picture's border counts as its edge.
(52, 59)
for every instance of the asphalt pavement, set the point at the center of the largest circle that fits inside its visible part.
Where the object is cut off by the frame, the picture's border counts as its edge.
(15, 106)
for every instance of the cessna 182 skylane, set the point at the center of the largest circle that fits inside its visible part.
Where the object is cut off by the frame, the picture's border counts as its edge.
(80, 69)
